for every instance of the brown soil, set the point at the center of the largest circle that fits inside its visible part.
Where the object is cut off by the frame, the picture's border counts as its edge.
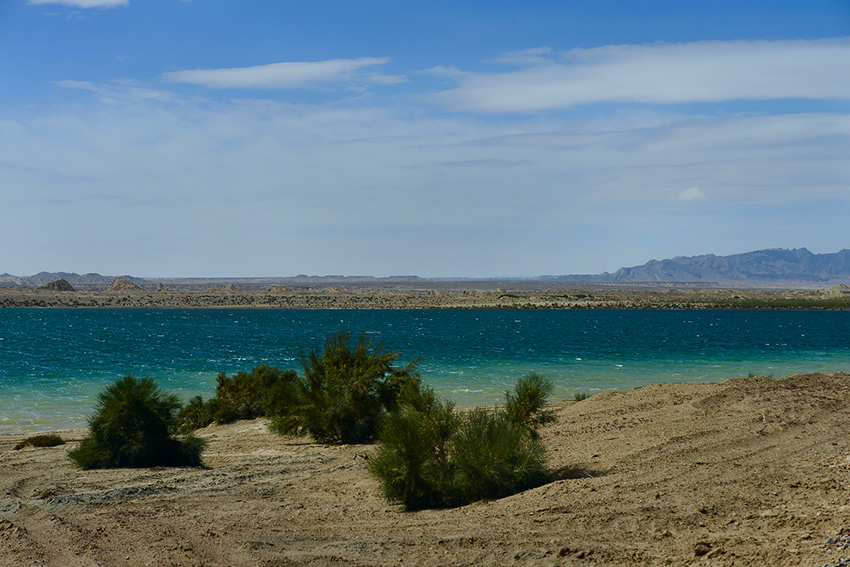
(747, 472)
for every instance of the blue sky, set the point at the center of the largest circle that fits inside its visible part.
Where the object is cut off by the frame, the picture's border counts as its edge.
(466, 138)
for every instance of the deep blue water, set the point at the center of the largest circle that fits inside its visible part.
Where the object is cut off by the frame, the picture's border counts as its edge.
(53, 362)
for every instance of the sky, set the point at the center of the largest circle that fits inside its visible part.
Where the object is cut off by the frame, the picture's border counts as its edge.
(216, 138)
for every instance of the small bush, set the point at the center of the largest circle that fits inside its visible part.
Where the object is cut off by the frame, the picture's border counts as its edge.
(431, 456)
(413, 461)
(133, 426)
(494, 458)
(43, 440)
(344, 393)
(754, 375)
(196, 414)
(580, 396)
(247, 395)
(526, 406)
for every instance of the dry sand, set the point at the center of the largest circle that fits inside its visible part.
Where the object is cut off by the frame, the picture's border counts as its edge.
(751, 471)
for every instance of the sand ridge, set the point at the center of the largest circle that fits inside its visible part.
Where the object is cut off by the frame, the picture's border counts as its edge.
(750, 471)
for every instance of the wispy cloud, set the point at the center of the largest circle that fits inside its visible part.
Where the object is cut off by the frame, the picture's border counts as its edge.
(475, 163)
(533, 56)
(289, 75)
(136, 156)
(443, 71)
(709, 71)
(84, 3)
(691, 195)
(119, 91)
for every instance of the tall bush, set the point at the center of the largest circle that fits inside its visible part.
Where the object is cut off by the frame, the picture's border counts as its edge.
(429, 455)
(134, 426)
(344, 393)
(413, 461)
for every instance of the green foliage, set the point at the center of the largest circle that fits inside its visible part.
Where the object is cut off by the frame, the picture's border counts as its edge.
(413, 461)
(344, 393)
(526, 406)
(431, 456)
(247, 395)
(133, 427)
(580, 396)
(196, 414)
(493, 457)
(43, 440)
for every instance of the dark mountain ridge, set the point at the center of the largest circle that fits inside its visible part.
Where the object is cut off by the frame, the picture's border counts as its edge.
(761, 266)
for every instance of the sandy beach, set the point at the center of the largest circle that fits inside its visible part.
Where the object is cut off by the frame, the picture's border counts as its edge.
(751, 471)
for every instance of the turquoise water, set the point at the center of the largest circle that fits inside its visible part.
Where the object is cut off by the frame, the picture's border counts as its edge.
(53, 362)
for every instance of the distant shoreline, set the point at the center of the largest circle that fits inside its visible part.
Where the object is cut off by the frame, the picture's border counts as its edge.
(229, 296)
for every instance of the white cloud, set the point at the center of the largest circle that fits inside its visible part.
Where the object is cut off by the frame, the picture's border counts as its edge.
(443, 72)
(288, 75)
(709, 71)
(84, 3)
(691, 195)
(533, 56)
(283, 185)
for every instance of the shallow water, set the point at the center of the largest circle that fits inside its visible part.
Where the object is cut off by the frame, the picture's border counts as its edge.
(53, 362)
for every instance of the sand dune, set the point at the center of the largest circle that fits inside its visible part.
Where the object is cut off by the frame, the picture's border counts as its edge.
(750, 471)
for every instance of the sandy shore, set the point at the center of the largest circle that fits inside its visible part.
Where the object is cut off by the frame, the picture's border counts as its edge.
(750, 471)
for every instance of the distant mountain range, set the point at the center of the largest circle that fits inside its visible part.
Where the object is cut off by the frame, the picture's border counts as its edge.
(773, 267)
(759, 267)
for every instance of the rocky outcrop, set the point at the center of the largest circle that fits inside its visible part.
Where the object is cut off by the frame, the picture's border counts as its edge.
(58, 285)
(838, 290)
(160, 288)
(120, 284)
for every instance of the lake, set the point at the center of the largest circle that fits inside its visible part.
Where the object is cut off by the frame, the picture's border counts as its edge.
(53, 362)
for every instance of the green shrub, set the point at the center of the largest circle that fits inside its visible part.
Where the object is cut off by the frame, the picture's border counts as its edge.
(133, 426)
(413, 461)
(344, 393)
(43, 440)
(431, 456)
(526, 406)
(580, 396)
(494, 458)
(247, 395)
(196, 414)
